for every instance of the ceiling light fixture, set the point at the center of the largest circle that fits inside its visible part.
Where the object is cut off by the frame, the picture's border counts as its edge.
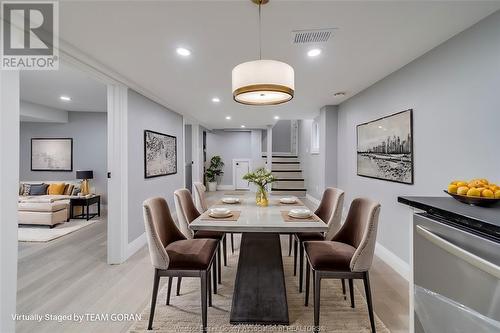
(183, 52)
(65, 98)
(242, 126)
(263, 82)
(276, 117)
(314, 52)
(228, 118)
(216, 99)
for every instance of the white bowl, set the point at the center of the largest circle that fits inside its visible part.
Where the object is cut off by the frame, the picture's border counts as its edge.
(300, 213)
(230, 200)
(219, 212)
(288, 200)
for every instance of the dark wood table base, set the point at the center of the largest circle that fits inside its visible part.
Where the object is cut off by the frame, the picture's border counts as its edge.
(259, 291)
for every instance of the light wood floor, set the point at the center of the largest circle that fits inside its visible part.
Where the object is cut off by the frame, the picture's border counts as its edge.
(70, 275)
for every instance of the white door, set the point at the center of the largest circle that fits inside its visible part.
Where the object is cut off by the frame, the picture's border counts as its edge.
(240, 168)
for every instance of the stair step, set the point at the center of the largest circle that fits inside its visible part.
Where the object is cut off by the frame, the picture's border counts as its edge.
(288, 183)
(294, 174)
(281, 156)
(283, 160)
(286, 166)
(299, 192)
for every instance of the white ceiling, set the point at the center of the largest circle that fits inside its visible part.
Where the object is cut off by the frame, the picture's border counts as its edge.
(138, 40)
(45, 88)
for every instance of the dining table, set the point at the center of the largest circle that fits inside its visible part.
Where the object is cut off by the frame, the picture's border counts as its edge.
(259, 295)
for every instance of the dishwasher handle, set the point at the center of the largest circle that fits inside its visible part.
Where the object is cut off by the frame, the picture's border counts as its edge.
(468, 257)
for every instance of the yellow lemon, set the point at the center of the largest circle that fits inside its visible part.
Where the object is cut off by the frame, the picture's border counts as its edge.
(455, 182)
(497, 194)
(462, 190)
(460, 184)
(493, 187)
(487, 193)
(484, 181)
(475, 183)
(481, 189)
(473, 192)
(452, 189)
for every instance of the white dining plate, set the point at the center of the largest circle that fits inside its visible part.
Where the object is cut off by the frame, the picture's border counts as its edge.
(219, 212)
(230, 200)
(300, 213)
(288, 200)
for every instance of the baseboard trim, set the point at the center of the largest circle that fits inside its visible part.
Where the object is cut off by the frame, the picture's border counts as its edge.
(396, 263)
(136, 245)
(312, 199)
(225, 187)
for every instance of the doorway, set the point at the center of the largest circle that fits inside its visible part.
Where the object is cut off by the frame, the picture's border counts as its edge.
(240, 168)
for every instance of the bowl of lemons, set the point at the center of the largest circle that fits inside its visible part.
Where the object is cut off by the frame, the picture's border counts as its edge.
(478, 192)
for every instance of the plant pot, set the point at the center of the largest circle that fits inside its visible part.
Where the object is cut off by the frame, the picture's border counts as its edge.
(212, 186)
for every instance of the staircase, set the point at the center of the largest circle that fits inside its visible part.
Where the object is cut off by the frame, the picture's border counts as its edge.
(289, 176)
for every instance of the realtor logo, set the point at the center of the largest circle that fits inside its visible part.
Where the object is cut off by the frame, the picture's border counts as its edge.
(29, 35)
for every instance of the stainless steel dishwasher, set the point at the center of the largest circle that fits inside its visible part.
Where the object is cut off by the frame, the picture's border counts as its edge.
(456, 278)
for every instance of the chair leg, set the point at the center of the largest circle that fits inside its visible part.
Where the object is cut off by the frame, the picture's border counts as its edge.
(203, 281)
(179, 279)
(224, 245)
(156, 283)
(308, 280)
(301, 265)
(232, 243)
(209, 284)
(214, 274)
(290, 241)
(343, 289)
(219, 264)
(368, 292)
(317, 293)
(294, 257)
(169, 289)
(351, 292)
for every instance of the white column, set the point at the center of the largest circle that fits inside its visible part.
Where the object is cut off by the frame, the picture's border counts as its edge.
(118, 168)
(269, 147)
(197, 153)
(9, 188)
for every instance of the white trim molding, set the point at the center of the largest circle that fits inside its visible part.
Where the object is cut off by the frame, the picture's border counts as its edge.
(312, 199)
(136, 245)
(396, 263)
(225, 187)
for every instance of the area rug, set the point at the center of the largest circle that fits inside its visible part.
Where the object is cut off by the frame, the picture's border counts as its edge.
(184, 312)
(28, 233)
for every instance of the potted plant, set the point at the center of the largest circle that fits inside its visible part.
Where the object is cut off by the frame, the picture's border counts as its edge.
(260, 177)
(214, 172)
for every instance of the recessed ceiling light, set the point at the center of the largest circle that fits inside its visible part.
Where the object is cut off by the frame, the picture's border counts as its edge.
(65, 98)
(276, 117)
(314, 52)
(228, 118)
(183, 52)
(242, 126)
(216, 99)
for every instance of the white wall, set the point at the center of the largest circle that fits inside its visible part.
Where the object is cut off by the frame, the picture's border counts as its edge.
(312, 164)
(282, 136)
(454, 92)
(144, 114)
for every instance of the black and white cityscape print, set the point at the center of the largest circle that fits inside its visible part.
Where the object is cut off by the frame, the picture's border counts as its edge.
(385, 148)
(160, 154)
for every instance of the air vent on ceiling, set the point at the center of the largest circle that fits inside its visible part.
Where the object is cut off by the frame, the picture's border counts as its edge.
(312, 36)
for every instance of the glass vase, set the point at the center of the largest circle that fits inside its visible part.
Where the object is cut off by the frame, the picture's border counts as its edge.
(261, 197)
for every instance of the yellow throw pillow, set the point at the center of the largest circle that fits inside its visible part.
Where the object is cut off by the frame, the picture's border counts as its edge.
(56, 189)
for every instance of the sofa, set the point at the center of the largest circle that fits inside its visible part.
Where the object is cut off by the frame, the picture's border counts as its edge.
(39, 205)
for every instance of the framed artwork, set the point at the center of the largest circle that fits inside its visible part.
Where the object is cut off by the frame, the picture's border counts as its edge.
(385, 148)
(51, 154)
(160, 154)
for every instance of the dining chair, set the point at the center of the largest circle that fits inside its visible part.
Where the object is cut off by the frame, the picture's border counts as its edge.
(330, 212)
(187, 213)
(348, 255)
(173, 255)
(202, 206)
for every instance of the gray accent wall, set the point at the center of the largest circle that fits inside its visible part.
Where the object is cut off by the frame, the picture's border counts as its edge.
(454, 93)
(89, 133)
(144, 114)
(282, 136)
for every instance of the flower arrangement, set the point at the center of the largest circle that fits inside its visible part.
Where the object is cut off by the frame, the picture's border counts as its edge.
(260, 177)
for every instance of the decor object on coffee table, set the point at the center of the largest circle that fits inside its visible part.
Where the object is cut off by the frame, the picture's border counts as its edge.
(51, 154)
(214, 172)
(261, 177)
(160, 154)
(385, 148)
(85, 202)
(85, 175)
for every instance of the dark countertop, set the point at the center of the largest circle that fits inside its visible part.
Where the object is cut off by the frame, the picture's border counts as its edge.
(485, 220)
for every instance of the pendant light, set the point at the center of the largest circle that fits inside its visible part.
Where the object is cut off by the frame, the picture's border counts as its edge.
(262, 82)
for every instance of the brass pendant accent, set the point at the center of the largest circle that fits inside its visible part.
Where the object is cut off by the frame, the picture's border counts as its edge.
(263, 87)
(260, 2)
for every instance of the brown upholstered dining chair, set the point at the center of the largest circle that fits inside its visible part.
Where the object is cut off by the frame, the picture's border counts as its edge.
(187, 213)
(330, 212)
(202, 206)
(348, 255)
(172, 255)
